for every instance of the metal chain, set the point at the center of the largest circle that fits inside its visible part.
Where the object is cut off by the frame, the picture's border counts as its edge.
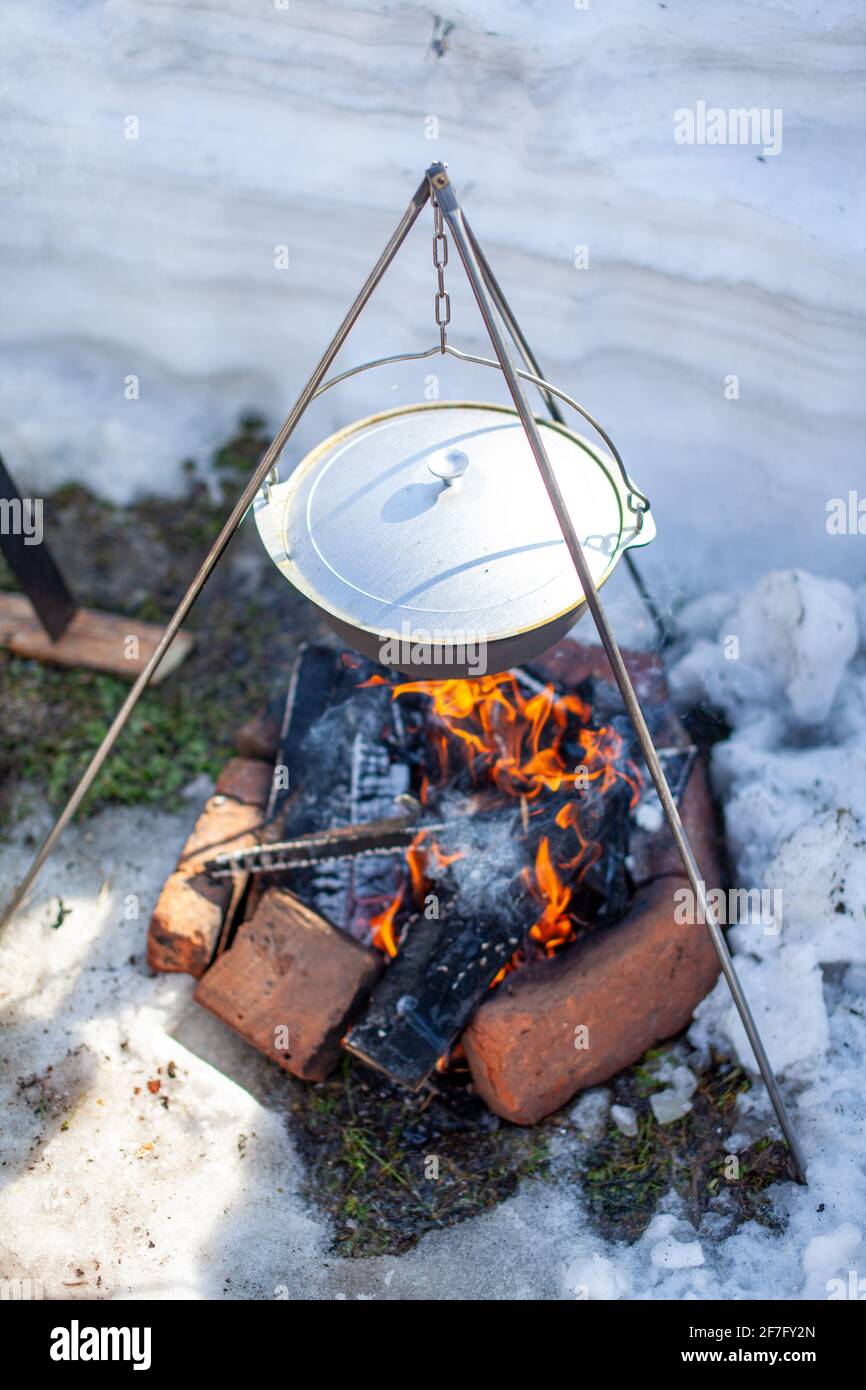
(442, 302)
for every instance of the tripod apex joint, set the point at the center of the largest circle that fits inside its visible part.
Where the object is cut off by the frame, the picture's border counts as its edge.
(495, 312)
(437, 174)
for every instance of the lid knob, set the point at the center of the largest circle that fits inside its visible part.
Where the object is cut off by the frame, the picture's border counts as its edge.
(448, 464)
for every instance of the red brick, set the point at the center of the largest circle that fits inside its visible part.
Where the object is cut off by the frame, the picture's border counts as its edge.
(259, 738)
(654, 853)
(631, 985)
(192, 907)
(247, 780)
(571, 662)
(288, 967)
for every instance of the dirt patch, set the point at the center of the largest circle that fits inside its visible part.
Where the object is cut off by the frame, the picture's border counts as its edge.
(623, 1178)
(138, 560)
(387, 1165)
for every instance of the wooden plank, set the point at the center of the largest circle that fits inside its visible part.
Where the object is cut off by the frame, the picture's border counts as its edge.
(99, 641)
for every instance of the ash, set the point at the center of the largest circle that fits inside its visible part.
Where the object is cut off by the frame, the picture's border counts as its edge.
(350, 777)
(493, 846)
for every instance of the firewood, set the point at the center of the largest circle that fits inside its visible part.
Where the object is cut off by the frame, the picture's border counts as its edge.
(429, 992)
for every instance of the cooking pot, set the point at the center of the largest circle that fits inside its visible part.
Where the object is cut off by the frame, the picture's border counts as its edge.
(426, 537)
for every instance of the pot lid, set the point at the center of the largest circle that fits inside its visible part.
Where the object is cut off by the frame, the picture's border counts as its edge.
(434, 518)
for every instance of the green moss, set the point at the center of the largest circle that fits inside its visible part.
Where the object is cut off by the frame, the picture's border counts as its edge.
(623, 1177)
(165, 743)
(387, 1165)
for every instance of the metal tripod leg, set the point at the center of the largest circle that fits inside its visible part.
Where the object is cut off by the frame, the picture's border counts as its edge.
(264, 468)
(447, 200)
(530, 361)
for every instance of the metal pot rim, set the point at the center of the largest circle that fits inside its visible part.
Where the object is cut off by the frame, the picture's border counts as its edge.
(273, 504)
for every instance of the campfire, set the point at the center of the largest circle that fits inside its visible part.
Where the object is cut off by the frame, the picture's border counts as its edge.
(439, 844)
(533, 746)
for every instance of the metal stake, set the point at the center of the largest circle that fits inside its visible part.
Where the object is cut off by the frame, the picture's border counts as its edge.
(443, 189)
(268, 460)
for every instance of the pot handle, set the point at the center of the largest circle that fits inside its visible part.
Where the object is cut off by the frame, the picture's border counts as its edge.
(637, 501)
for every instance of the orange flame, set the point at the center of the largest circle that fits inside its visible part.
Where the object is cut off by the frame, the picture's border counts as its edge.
(382, 926)
(501, 731)
(515, 742)
(553, 926)
(383, 923)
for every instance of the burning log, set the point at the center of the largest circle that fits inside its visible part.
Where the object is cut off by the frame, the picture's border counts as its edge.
(429, 992)
(475, 912)
(351, 764)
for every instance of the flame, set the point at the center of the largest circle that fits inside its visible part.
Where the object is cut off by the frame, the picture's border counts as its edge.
(544, 883)
(501, 731)
(454, 1054)
(416, 858)
(443, 859)
(514, 742)
(382, 925)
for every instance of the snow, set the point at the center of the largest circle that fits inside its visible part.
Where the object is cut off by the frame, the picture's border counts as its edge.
(790, 641)
(596, 1278)
(677, 1254)
(790, 1040)
(154, 257)
(675, 1100)
(201, 1198)
(791, 777)
(860, 600)
(590, 1113)
(826, 1253)
(625, 1119)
